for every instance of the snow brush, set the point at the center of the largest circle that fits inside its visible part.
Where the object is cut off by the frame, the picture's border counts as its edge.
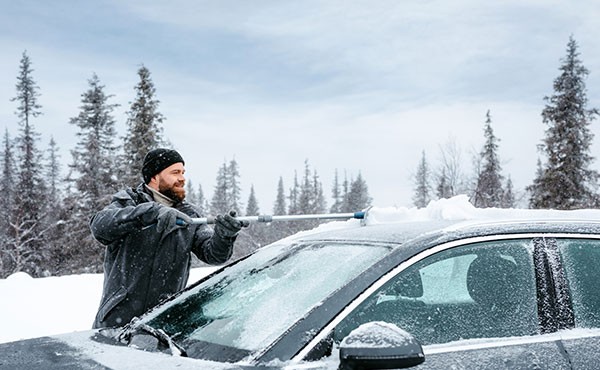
(362, 215)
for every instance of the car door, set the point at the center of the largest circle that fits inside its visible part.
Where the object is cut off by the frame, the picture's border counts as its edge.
(580, 261)
(471, 304)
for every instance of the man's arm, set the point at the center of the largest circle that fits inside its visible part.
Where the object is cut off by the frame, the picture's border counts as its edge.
(117, 220)
(216, 247)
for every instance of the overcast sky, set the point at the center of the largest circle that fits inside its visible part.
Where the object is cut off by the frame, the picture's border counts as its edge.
(357, 86)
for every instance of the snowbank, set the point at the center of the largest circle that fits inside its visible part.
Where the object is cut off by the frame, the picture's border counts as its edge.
(53, 305)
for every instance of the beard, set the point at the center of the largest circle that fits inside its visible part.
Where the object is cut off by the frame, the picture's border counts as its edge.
(175, 191)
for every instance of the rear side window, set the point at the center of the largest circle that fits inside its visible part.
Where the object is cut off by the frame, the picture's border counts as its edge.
(481, 290)
(581, 260)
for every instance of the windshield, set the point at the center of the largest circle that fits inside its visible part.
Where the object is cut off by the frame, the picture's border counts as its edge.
(250, 304)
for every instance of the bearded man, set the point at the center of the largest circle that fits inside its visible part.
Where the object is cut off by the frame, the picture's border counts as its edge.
(149, 237)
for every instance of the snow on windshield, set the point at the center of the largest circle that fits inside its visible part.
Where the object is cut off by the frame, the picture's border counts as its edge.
(253, 302)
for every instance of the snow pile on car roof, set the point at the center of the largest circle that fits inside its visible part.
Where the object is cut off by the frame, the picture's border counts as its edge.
(457, 208)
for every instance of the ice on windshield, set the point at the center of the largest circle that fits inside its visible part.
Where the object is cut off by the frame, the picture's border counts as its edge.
(258, 299)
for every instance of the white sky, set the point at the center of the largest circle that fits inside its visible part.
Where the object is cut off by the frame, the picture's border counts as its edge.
(349, 85)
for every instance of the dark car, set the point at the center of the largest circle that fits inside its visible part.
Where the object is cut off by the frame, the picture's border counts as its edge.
(436, 294)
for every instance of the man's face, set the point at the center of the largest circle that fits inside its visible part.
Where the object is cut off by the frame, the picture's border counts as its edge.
(171, 182)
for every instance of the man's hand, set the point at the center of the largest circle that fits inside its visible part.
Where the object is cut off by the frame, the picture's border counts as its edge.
(228, 226)
(167, 219)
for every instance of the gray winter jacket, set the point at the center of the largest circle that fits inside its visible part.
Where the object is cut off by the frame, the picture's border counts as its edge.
(141, 265)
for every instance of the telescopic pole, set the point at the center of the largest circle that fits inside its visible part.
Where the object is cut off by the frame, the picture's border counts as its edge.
(268, 218)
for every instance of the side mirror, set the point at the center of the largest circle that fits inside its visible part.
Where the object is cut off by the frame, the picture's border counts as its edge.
(379, 345)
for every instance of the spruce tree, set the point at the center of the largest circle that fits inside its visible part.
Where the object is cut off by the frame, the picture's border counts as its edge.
(144, 129)
(252, 208)
(233, 187)
(346, 194)
(422, 195)
(336, 194)
(201, 204)
(535, 189)
(7, 251)
(566, 180)
(254, 236)
(55, 206)
(282, 229)
(508, 198)
(294, 208)
(319, 202)
(488, 190)
(358, 198)
(53, 176)
(93, 178)
(443, 188)
(279, 208)
(7, 182)
(27, 219)
(220, 202)
(306, 195)
(190, 193)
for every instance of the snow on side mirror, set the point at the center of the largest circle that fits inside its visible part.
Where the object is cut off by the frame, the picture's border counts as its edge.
(379, 345)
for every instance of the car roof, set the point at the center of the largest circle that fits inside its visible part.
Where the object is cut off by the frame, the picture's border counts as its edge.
(405, 231)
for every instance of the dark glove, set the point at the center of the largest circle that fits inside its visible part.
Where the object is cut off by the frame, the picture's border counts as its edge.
(228, 226)
(167, 219)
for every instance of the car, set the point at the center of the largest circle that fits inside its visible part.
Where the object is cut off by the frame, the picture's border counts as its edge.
(514, 290)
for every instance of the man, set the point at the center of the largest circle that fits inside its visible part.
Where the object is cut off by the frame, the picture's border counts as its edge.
(147, 248)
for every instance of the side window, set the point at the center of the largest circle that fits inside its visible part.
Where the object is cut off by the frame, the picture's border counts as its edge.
(473, 291)
(581, 260)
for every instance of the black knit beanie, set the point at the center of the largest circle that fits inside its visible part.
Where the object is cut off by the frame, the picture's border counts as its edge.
(157, 160)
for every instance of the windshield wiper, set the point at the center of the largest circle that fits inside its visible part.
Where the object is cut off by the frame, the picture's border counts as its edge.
(136, 325)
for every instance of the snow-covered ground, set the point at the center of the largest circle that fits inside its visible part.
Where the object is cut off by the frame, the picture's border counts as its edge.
(53, 305)
(45, 306)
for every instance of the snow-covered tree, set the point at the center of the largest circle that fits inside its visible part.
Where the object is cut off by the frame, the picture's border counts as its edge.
(443, 188)
(201, 204)
(95, 154)
(27, 217)
(336, 194)
(226, 196)
(279, 208)
(346, 194)
(144, 129)
(93, 178)
(233, 187)
(294, 208)
(358, 197)
(6, 206)
(422, 194)
(53, 176)
(7, 182)
(190, 193)
(307, 193)
(220, 202)
(508, 198)
(252, 208)
(566, 180)
(488, 189)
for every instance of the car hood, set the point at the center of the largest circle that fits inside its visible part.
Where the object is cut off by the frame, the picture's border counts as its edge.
(91, 350)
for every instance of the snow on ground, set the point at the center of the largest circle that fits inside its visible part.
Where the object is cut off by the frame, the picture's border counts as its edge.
(53, 305)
